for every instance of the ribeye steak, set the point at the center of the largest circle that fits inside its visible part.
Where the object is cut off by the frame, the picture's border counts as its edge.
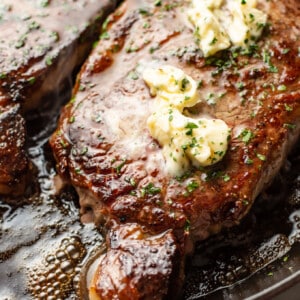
(103, 146)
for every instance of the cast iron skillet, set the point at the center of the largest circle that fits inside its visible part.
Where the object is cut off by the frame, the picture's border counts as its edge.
(44, 247)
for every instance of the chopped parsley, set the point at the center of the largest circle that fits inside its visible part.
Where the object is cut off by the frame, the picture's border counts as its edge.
(77, 170)
(84, 151)
(120, 166)
(190, 126)
(289, 126)
(267, 59)
(150, 189)
(261, 156)
(240, 85)
(192, 185)
(281, 88)
(104, 36)
(246, 135)
(200, 84)
(184, 83)
(31, 80)
(187, 225)
(49, 60)
(144, 12)
(248, 161)
(72, 119)
(62, 142)
(153, 48)
(44, 3)
(287, 107)
(133, 75)
(213, 41)
(285, 51)
(226, 177)
(98, 118)
(34, 25)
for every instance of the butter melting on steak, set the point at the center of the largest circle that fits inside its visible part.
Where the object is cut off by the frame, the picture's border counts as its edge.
(41, 44)
(103, 147)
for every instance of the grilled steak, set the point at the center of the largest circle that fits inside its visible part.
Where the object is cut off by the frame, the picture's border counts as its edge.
(103, 146)
(41, 44)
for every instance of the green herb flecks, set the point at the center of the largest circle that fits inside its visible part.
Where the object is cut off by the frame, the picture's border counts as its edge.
(104, 36)
(187, 225)
(31, 80)
(192, 186)
(190, 126)
(289, 126)
(150, 189)
(261, 157)
(246, 136)
(120, 166)
(184, 84)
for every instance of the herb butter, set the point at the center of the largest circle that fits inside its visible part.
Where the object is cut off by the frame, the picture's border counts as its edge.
(219, 24)
(185, 141)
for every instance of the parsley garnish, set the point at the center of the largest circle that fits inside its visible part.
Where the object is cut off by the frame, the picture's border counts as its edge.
(190, 126)
(226, 177)
(120, 166)
(193, 185)
(150, 189)
(248, 161)
(289, 126)
(187, 225)
(261, 156)
(281, 88)
(184, 83)
(246, 135)
(104, 36)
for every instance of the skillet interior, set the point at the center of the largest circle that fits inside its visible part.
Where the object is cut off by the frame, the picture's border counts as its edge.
(43, 245)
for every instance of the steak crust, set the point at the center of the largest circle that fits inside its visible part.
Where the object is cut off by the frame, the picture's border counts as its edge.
(103, 148)
(12, 153)
(41, 44)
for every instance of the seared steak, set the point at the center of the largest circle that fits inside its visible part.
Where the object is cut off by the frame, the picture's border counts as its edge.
(103, 146)
(12, 153)
(41, 43)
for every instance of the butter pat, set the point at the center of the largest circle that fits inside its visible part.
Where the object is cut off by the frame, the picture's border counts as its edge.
(171, 83)
(185, 141)
(221, 23)
(245, 22)
(209, 31)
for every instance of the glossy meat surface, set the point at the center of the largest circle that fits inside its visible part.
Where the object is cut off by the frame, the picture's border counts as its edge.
(103, 147)
(134, 260)
(41, 44)
(13, 162)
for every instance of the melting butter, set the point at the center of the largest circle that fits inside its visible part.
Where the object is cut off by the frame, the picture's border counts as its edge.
(185, 141)
(221, 23)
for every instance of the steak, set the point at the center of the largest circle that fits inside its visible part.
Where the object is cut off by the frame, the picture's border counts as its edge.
(103, 147)
(13, 160)
(41, 44)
